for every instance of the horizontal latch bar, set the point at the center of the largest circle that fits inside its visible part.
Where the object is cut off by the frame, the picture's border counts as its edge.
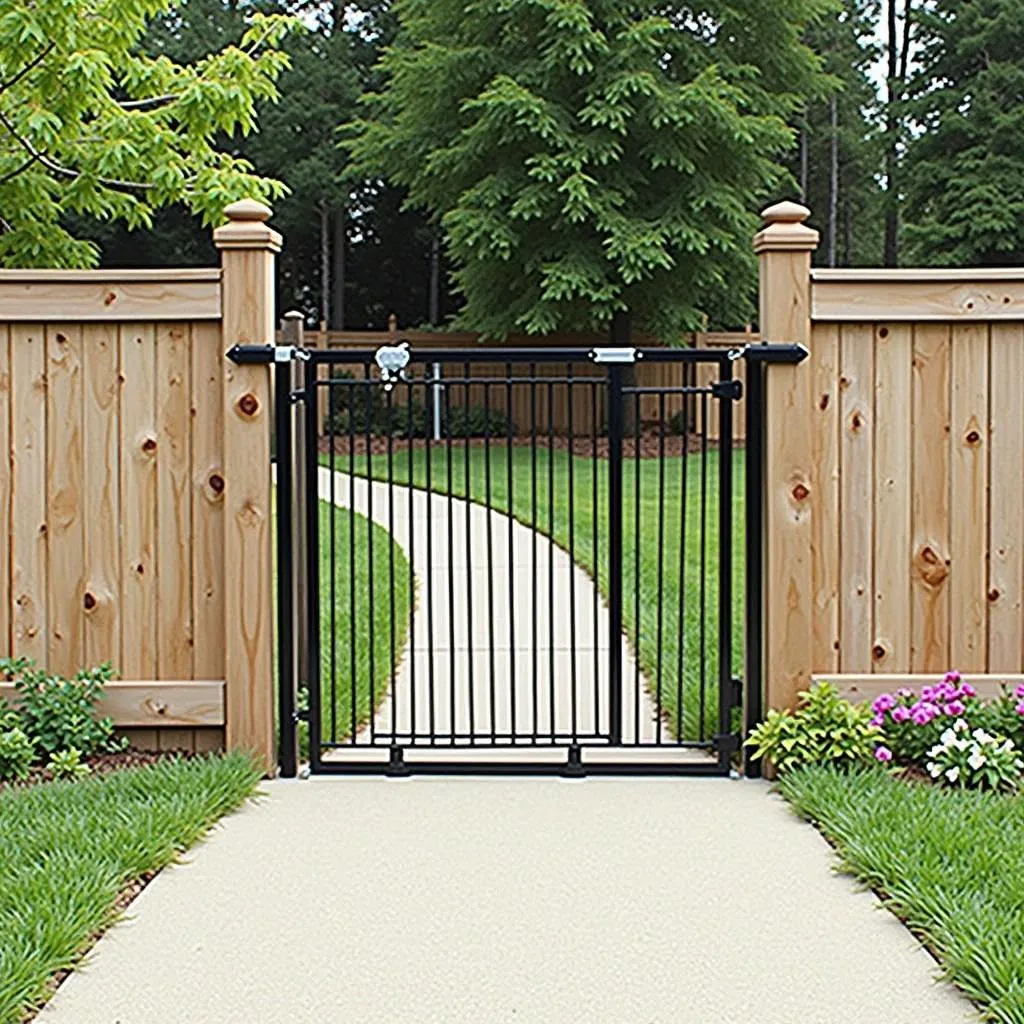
(730, 389)
(775, 353)
(256, 355)
(614, 355)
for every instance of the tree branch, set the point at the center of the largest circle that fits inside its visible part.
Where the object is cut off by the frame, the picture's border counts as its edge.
(11, 175)
(67, 172)
(908, 24)
(152, 101)
(30, 66)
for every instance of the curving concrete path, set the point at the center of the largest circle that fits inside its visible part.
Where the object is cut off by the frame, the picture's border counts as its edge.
(492, 603)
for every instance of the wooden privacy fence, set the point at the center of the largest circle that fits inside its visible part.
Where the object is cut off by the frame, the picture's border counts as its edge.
(586, 402)
(894, 524)
(134, 509)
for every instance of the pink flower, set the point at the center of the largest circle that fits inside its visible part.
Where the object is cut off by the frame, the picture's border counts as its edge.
(882, 703)
(945, 691)
(878, 721)
(904, 692)
(952, 677)
(883, 754)
(1019, 692)
(966, 690)
(922, 713)
(955, 707)
(901, 714)
(928, 693)
(1020, 708)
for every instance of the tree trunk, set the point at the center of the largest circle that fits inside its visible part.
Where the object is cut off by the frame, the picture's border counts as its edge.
(847, 232)
(434, 299)
(833, 181)
(804, 166)
(325, 266)
(891, 253)
(338, 304)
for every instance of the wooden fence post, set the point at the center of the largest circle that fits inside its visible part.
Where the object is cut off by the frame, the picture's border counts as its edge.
(247, 246)
(784, 248)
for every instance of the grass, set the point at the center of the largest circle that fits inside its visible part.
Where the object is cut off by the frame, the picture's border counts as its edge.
(950, 863)
(357, 632)
(70, 849)
(663, 637)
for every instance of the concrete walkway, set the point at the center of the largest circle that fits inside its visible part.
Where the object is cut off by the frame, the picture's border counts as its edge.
(487, 603)
(492, 902)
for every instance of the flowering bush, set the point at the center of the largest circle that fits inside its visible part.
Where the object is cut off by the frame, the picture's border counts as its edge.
(966, 757)
(949, 728)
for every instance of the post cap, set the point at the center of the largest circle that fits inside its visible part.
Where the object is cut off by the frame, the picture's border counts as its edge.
(246, 227)
(784, 229)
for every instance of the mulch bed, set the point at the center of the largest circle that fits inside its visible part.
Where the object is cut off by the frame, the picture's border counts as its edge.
(102, 764)
(651, 445)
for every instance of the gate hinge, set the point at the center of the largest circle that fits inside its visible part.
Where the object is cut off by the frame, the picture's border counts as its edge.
(256, 355)
(727, 742)
(731, 389)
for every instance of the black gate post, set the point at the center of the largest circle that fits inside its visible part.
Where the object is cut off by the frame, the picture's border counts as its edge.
(727, 391)
(286, 725)
(312, 555)
(615, 431)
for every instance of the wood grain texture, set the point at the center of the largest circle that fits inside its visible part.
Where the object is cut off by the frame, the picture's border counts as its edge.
(789, 482)
(825, 523)
(138, 502)
(969, 498)
(101, 493)
(156, 702)
(29, 542)
(208, 741)
(174, 505)
(5, 491)
(890, 648)
(940, 298)
(83, 296)
(207, 493)
(930, 499)
(248, 318)
(1006, 500)
(856, 390)
(858, 688)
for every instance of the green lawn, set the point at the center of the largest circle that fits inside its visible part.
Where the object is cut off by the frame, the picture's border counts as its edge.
(661, 484)
(951, 863)
(357, 632)
(69, 849)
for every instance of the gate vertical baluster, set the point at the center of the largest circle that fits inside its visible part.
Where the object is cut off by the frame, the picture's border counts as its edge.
(595, 508)
(533, 532)
(312, 555)
(353, 390)
(391, 560)
(369, 554)
(615, 431)
(661, 567)
(724, 568)
(451, 567)
(574, 697)
(704, 417)
(511, 554)
(637, 681)
(413, 651)
(470, 652)
(285, 571)
(551, 557)
(684, 491)
(490, 552)
(427, 435)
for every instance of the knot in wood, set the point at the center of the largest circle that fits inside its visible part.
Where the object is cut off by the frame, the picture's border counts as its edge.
(932, 569)
(149, 445)
(801, 492)
(248, 404)
(878, 652)
(216, 483)
(993, 594)
(973, 437)
(88, 601)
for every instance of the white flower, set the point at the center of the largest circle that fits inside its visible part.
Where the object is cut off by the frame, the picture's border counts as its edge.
(948, 737)
(982, 737)
(937, 751)
(953, 773)
(977, 760)
(934, 770)
(959, 725)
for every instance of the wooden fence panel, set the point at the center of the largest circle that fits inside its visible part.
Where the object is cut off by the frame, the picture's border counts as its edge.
(6, 468)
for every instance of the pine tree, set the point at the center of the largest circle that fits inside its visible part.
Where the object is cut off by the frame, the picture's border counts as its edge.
(965, 169)
(589, 160)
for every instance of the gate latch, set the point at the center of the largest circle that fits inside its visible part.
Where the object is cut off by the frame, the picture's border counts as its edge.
(392, 360)
(730, 389)
(614, 355)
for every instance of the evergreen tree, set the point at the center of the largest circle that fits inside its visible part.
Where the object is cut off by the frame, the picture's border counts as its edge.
(90, 126)
(589, 160)
(965, 168)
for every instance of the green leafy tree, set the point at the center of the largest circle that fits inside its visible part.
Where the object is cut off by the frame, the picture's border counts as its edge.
(964, 170)
(591, 160)
(90, 125)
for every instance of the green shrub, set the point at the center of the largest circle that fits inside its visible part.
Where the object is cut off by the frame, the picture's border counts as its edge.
(681, 422)
(824, 729)
(476, 421)
(58, 713)
(16, 750)
(68, 764)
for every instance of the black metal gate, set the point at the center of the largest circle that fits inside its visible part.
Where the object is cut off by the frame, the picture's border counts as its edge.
(508, 560)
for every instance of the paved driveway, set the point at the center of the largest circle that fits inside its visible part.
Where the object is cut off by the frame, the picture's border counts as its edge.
(439, 901)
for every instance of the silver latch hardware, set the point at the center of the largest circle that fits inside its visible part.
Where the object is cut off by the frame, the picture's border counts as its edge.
(392, 360)
(614, 355)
